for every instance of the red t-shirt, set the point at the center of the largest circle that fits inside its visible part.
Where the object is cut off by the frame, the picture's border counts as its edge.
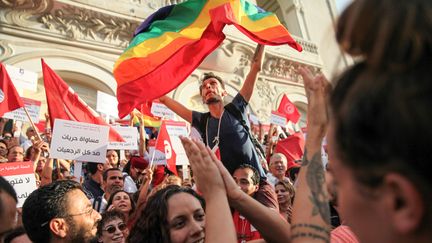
(244, 229)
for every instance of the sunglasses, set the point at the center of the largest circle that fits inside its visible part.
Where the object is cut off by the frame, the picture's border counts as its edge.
(111, 229)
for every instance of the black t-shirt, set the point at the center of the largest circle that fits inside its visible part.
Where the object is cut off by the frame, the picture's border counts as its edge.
(235, 146)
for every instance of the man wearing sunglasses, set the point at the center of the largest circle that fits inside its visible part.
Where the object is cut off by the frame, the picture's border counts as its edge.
(60, 212)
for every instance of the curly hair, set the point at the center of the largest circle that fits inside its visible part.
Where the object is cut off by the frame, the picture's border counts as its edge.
(107, 217)
(152, 224)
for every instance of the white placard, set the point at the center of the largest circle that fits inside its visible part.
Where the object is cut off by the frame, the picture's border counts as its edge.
(23, 79)
(161, 110)
(21, 176)
(32, 106)
(107, 104)
(253, 119)
(175, 130)
(130, 135)
(79, 141)
(278, 119)
(169, 142)
(157, 156)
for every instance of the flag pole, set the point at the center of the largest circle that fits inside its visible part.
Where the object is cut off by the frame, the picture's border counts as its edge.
(157, 139)
(154, 151)
(32, 123)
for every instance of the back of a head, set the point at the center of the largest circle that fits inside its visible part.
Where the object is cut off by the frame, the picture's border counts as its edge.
(390, 35)
(7, 188)
(8, 201)
(382, 124)
(152, 226)
(43, 205)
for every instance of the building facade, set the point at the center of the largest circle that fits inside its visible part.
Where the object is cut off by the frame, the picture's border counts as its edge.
(81, 40)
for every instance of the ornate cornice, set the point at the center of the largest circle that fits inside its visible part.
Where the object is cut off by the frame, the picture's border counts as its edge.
(72, 22)
(82, 24)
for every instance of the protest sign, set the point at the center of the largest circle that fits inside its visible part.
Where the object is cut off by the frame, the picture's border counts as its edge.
(129, 134)
(278, 119)
(79, 141)
(33, 108)
(21, 78)
(157, 156)
(21, 176)
(169, 144)
(161, 110)
(107, 104)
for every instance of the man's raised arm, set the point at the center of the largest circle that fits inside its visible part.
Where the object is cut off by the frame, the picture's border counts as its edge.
(178, 108)
(249, 84)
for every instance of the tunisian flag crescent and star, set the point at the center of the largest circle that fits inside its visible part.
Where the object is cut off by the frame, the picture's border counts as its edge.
(287, 108)
(64, 103)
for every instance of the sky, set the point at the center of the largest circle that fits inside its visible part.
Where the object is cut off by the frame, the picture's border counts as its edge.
(341, 4)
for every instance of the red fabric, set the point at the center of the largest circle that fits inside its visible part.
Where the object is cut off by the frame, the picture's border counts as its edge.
(9, 98)
(64, 103)
(164, 144)
(292, 147)
(343, 234)
(245, 231)
(158, 175)
(290, 111)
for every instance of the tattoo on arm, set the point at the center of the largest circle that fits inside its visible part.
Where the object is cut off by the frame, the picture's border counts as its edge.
(310, 235)
(316, 179)
(312, 227)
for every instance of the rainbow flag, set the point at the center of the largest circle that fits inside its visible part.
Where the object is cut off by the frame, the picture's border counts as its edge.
(173, 41)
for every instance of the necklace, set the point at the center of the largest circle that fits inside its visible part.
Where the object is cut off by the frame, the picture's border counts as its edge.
(216, 139)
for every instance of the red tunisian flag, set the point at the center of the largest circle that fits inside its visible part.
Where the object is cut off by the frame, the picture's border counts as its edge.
(64, 103)
(290, 111)
(292, 147)
(9, 98)
(164, 144)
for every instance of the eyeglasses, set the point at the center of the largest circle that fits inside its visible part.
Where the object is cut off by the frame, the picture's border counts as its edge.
(89, 212)
(7, 138)
(112, 228)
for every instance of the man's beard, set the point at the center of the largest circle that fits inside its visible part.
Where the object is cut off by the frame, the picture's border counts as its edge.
(79, 234)
(212, 100)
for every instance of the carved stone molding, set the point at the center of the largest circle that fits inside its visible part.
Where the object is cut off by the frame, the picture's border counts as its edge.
(265, 91)
(5, 49)
(22, 12)
(77, 23)
(282, 68)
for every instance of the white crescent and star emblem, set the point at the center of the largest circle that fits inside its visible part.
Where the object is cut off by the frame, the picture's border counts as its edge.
(289, 108)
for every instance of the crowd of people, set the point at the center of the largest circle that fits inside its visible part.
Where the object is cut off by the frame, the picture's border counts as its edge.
(375, 187)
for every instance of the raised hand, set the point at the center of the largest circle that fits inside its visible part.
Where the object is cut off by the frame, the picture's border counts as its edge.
(317, 91)
(203, 164)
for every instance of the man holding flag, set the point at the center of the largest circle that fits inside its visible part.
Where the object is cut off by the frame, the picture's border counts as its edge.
(223, 131)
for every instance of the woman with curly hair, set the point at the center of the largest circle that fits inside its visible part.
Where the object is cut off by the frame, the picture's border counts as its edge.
(173, 214)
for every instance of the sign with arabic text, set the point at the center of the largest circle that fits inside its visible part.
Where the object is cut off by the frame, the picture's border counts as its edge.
(33, 108)
(278, 119)
(79, 141)
(21, 176)
(129, 134)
